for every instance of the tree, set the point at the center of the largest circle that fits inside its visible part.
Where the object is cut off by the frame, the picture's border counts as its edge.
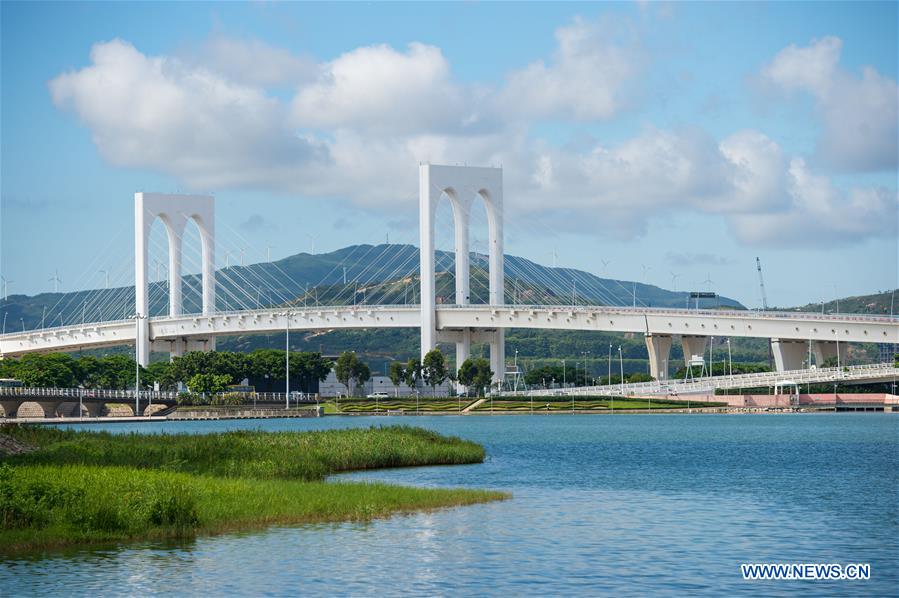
(311, 366)
(412, 373)
(209, 383)
(362, 373)
(475, 373)
(89, 371)
(115, 371)
(162, 373)
(433, 369)
(349, 369)
(43, 371)
(396, 373)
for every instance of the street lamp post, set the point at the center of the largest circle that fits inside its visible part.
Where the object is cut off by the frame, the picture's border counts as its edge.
(564, 383)
(621, 363)
(609, 379)
(287, 315)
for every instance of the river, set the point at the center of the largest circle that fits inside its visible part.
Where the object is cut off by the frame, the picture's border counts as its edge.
(602, 505)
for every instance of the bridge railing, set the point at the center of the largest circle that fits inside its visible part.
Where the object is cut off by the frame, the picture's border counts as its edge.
(801, 315)
(24, 392)
(611, 309)
(846, 373)
(34, 393)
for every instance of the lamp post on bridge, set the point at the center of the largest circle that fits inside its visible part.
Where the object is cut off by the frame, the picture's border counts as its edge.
(287, 315)
(621, 363)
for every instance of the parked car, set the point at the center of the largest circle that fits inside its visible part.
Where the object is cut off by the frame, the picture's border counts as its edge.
(378, 395)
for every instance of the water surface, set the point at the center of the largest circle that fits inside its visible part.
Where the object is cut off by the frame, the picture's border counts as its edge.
(623, 505)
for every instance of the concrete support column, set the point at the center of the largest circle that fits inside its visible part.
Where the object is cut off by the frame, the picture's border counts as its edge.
(175, 251)
(659, 347)
(207, 235)
(498, 355)
(142, 225)
(494, 200)
(177, 348)
(693, 345)
(49, 407)
(789, 354)
(94, 408)
(825, 350)
(427, 204)
(461, 219)
(10, 408)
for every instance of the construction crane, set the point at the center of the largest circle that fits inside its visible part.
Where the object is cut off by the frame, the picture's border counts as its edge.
(758, 265)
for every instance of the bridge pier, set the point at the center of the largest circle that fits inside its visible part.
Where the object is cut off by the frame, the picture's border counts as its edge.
(49, 407)
(789, 354)
(11, 408)
(825, 350)
(693, 346)
(659, 347)
(94, 408)
(498, 355)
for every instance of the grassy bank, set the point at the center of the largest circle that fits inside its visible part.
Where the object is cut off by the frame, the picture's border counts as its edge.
(511, 404)
(95, 487)
(586, 404)
(405, 404)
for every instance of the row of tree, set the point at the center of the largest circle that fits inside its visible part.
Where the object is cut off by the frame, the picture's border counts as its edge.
(213, 371)
(552, 375)
(474, 373)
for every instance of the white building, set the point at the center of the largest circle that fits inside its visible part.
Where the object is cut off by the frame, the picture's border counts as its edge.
(332, 388)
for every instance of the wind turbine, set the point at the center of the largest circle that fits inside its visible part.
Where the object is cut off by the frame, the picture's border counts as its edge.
(55, 279)
(645, 270)
(555, 257)
(228, 258)
(268, 251)
(312, 239)
(605, 265)
(708, 280)
(105, 274)
(6, 283)
(674, 278)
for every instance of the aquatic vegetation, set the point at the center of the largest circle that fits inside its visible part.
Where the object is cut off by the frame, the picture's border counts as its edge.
(95, 487)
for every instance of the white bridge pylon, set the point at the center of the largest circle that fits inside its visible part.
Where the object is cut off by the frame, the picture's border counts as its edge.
(461, 185)
(174, 211)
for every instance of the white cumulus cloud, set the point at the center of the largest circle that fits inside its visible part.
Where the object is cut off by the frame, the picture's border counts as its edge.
(586, 79)
(859, 113)
(356, 126)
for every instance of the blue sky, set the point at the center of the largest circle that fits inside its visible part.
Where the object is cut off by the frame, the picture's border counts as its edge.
(689, 137)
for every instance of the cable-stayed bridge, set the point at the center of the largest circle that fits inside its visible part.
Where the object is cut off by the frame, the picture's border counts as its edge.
(479, 306)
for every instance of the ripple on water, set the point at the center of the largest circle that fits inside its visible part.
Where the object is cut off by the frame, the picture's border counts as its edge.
(629, 505)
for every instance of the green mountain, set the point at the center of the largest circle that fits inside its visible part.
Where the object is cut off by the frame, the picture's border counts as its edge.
(385, 274)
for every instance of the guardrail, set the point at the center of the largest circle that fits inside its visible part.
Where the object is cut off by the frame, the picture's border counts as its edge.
(755, 379)
(567, 308)
(84, 393)
(25, 392)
